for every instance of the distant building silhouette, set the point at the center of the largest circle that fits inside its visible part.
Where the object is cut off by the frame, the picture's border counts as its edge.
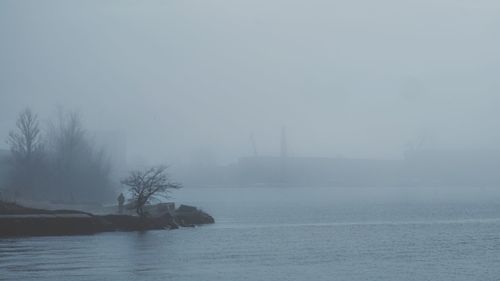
(440, 168)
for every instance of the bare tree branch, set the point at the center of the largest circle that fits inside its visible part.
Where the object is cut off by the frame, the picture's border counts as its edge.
(26, 139)
(149, 185)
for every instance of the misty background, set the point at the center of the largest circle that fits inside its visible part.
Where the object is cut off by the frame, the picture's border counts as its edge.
(188, 81)
(358, 139)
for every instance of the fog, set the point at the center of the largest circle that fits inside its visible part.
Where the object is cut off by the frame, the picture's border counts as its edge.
(185, 79)
(249, 140)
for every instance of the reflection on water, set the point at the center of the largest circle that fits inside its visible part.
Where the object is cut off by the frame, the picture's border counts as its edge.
(316, 238)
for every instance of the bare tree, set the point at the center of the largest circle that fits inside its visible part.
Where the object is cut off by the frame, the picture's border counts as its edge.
(146, 186)
(26, 140)
(67, 137)
(65, 165)
(26, 147)
(79, 170)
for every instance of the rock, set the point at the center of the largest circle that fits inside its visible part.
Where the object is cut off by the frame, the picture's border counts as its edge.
(186, 209)
(190, 216)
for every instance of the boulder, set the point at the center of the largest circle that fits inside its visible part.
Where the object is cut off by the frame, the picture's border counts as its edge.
(189, 216)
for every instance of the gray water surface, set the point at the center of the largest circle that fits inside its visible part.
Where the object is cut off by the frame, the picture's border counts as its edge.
(282, 234)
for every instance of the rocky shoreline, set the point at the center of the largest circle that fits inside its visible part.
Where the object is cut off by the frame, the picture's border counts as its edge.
(16, 220)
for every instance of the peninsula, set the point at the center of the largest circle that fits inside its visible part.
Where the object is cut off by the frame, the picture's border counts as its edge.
(16, 220)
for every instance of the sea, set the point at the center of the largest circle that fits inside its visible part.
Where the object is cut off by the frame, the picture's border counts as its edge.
(287, 233)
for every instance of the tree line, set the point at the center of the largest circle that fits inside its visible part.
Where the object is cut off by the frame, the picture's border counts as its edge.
(57, 162)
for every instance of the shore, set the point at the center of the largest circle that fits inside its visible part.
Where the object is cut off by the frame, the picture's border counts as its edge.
(16, 220)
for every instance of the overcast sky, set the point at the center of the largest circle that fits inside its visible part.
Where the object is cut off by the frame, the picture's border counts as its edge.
(180, 79)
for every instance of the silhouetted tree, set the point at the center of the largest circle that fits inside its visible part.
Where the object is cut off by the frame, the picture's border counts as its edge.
(65, 165)
(26, 141)
(27, 151)
(146, 186)
(80, 171)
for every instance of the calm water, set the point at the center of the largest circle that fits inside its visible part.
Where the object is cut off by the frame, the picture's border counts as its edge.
(287, 234)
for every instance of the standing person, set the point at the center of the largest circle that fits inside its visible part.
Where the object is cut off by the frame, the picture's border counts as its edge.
(121, 200)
